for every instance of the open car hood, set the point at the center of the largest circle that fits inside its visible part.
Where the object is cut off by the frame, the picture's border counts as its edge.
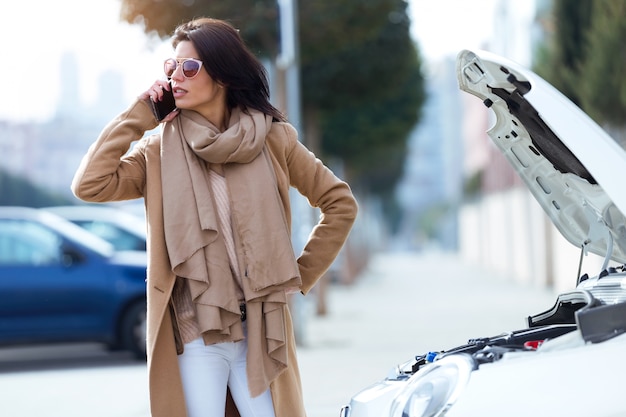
(573, 168)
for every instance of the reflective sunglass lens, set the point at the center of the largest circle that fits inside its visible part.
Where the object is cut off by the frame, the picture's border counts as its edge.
(190, 68)
(169, 67)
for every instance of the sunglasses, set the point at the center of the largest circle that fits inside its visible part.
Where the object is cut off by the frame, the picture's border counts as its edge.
(190, 66)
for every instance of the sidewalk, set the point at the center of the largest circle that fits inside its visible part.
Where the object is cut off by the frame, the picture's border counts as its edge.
(404, 305)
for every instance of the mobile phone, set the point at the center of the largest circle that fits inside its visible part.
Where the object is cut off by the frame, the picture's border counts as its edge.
(165, 106)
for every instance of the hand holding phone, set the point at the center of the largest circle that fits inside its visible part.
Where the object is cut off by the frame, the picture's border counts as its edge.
(165, 106)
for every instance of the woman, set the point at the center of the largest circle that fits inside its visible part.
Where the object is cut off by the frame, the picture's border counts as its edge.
(215, 182)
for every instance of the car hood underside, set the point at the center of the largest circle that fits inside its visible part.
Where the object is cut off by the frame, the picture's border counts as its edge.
(571, 166)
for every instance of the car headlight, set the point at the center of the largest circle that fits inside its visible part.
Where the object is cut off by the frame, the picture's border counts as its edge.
(434, 389)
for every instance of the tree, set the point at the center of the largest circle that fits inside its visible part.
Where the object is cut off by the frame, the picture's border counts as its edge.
(564, 53)
(585, 59)
(603, 88)
(365, 88)
(360, 72)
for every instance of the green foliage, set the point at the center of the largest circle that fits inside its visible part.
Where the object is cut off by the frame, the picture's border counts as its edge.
(17, 191)
(586, 58)
(473, 185)
(329, 26)
(371, 136)
(351, 51)
(563, 57)
(602, 76)
(363, 74)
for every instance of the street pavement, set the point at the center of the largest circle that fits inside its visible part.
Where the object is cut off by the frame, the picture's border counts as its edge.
(402, 305)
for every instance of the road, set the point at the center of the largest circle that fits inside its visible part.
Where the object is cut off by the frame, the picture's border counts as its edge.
(401, 306)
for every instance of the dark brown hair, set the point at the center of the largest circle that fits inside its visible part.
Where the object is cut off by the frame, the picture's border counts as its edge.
(229, 62)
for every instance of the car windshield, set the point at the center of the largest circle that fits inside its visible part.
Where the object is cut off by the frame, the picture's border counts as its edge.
(120, 238)
(77, 233)
(124, 230)
(27, 243)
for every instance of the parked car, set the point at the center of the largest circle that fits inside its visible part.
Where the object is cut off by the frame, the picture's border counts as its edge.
(60, 283)
(124, 230)
(570, 359)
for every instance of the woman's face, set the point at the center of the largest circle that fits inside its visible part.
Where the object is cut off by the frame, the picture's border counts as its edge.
(200, 93)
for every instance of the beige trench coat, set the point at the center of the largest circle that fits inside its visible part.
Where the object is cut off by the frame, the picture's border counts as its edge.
(109, 172)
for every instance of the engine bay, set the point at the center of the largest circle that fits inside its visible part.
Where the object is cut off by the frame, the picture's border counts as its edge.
(597, 309)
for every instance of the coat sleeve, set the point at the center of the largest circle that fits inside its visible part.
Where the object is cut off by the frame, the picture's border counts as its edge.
(337, 205)
(109, 171)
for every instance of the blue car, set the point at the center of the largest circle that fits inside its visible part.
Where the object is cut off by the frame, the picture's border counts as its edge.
(60, 283)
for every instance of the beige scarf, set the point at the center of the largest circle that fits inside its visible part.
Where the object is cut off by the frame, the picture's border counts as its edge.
(197, 250)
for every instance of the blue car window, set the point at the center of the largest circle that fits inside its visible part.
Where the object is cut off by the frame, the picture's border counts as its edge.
(27, 243)
(119, 238)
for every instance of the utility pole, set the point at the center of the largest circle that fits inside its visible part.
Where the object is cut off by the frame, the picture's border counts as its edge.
(289, 62)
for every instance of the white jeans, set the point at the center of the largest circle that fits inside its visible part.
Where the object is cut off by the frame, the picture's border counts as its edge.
(206, 371)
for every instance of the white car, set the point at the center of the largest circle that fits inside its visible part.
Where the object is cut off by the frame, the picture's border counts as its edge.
(571, 359)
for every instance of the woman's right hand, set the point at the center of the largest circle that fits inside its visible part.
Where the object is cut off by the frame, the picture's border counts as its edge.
(155, 93)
